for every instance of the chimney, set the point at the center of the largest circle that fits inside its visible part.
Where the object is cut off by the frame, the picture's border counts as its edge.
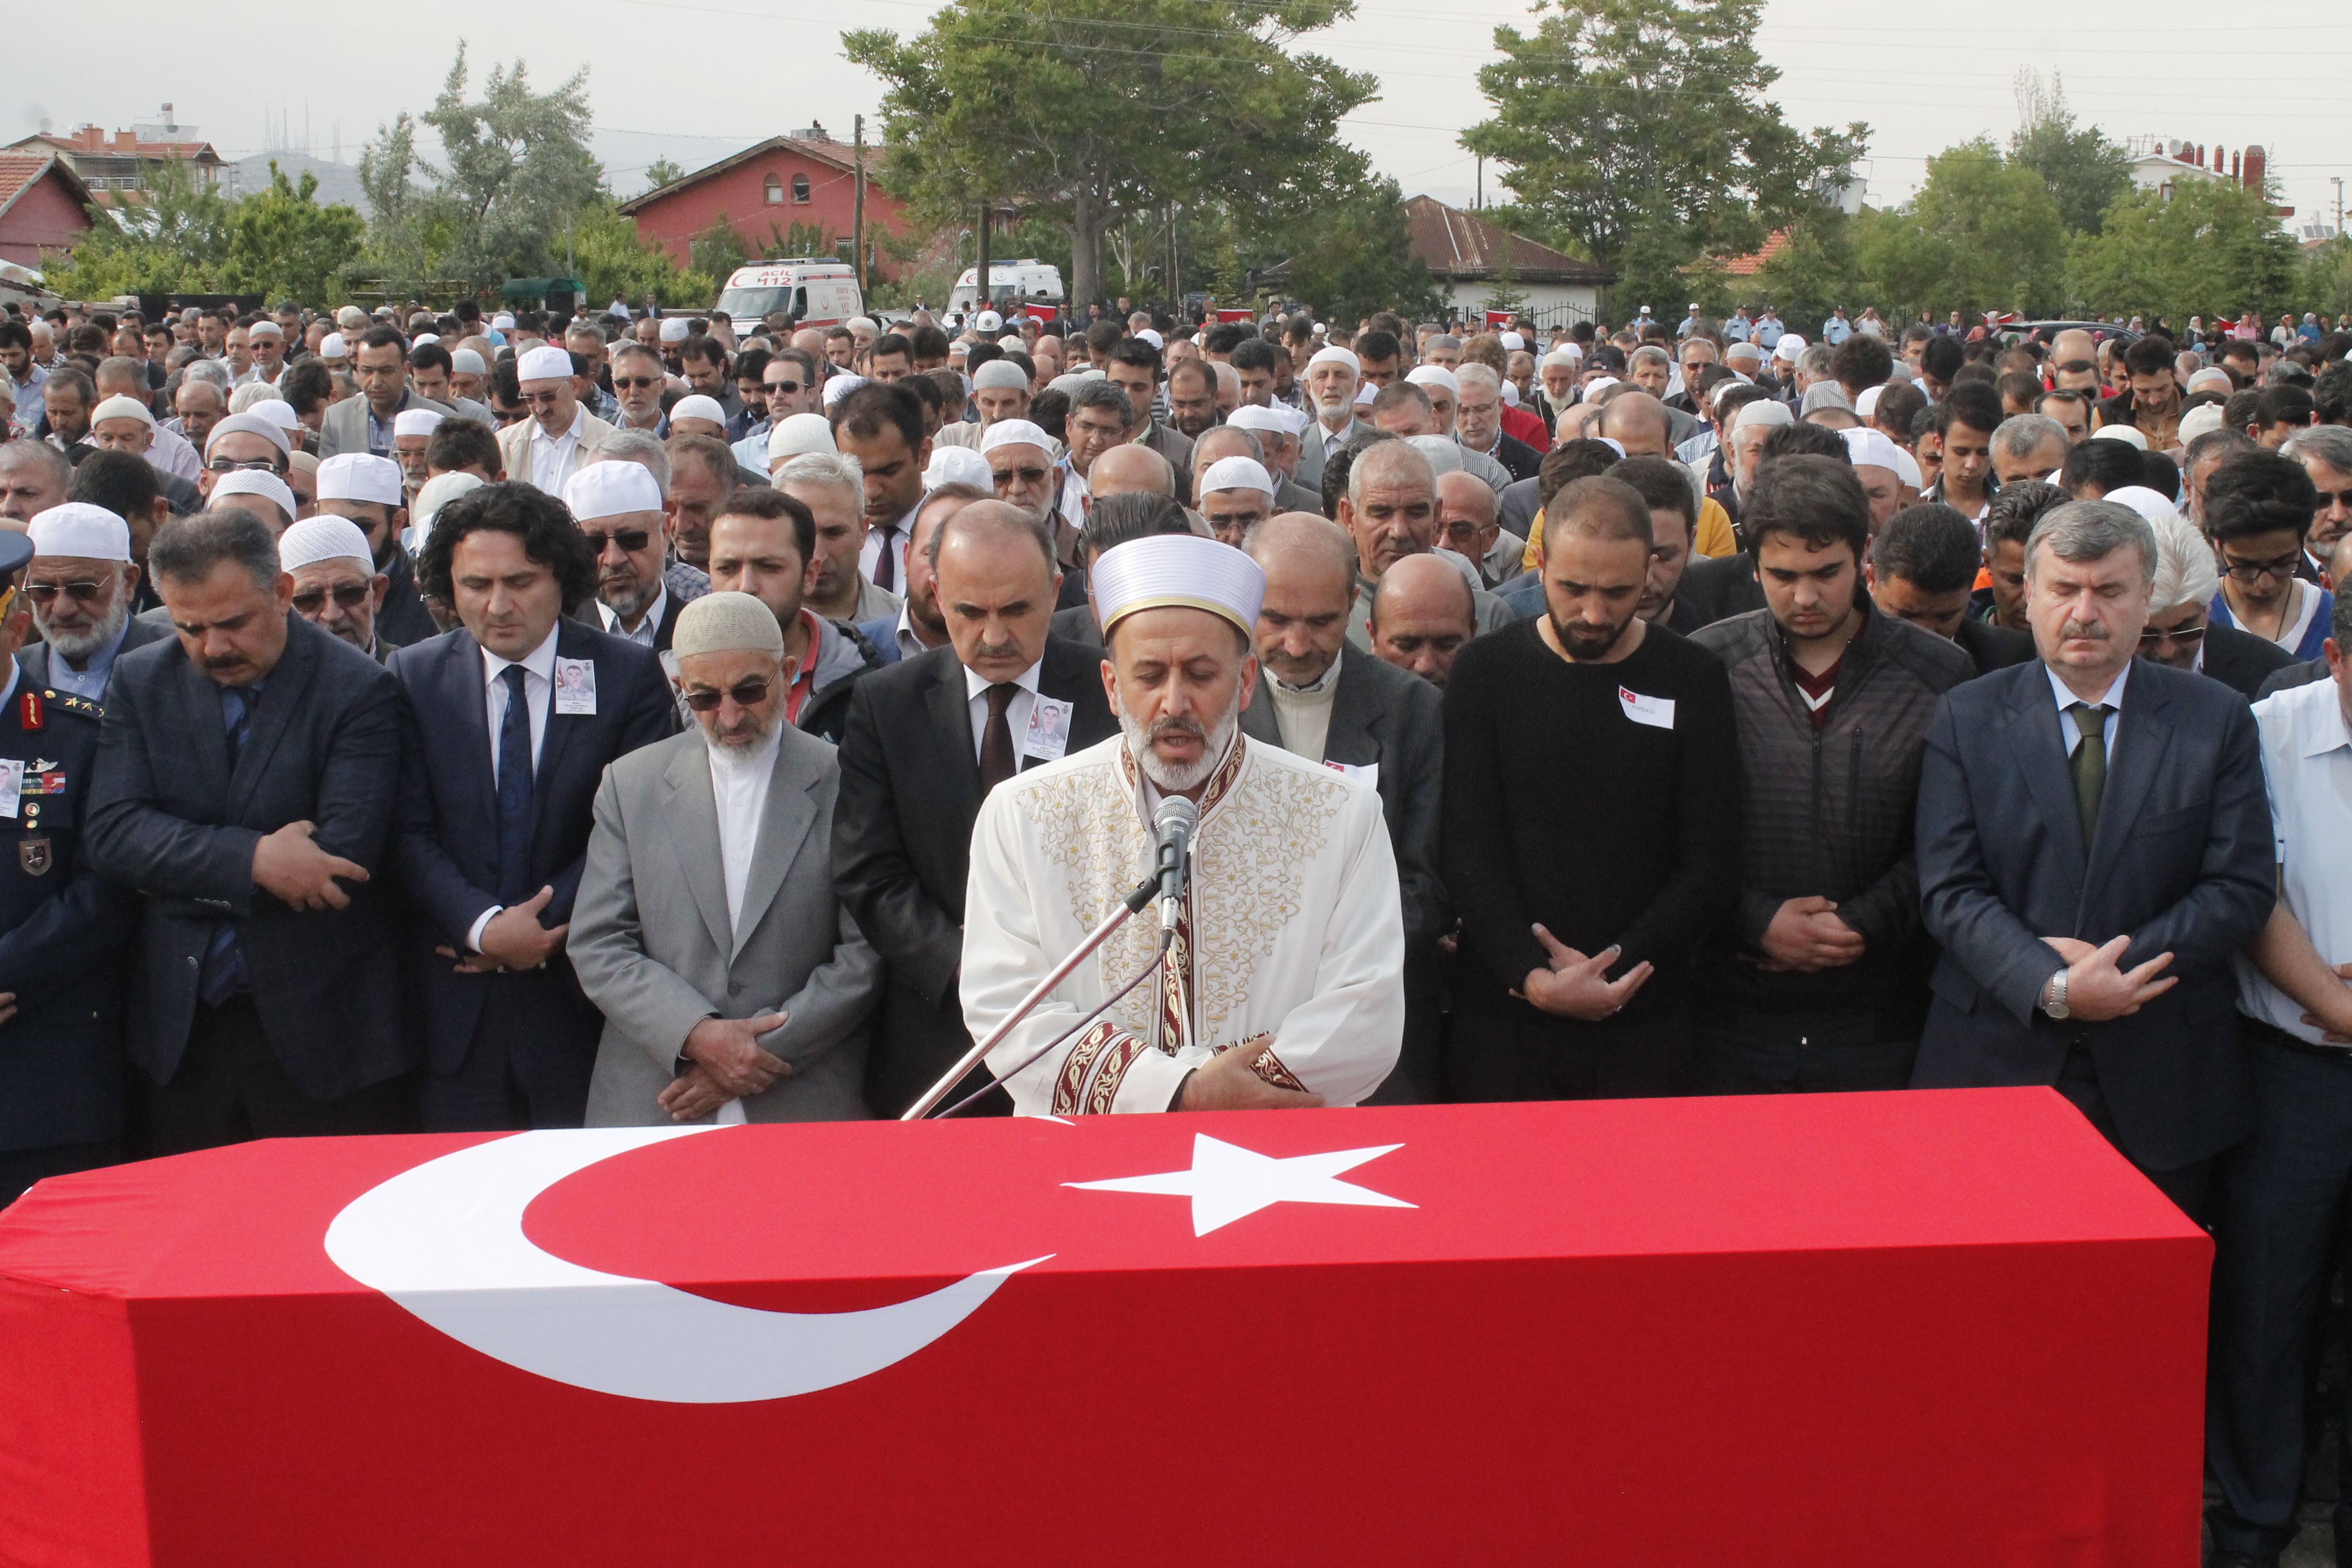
(2255, 162)
(2234, 165)
(126, 141)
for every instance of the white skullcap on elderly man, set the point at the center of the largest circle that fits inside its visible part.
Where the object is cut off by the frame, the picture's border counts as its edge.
(700, 406)
(1016, 432)
(260, 484)
(317, 539)
(796, 434)
(958, 465)
(1237, 473)
(122, 407)
(611, 489)
(545, 363)
(1335, 355)
(725, 623)
(249, 424)
(432, 496)
(416, 422)
(1177, 570)
(82, 531)
(999, 375)
(360, 477)
(674, 329)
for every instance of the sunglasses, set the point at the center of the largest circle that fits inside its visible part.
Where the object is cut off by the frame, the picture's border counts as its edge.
(2187, 638)
(349, 597)
(505, 418)
(79, 593)
(2330, 499)
(547, 399)
(630, 539)
(750, 694)
(1028, 476)
(785, 386)
(628, 383)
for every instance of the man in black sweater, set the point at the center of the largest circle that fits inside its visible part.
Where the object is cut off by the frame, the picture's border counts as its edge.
(1588, 839)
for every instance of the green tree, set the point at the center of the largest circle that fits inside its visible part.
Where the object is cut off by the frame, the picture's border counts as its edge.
(516, 168)
(662, 172)
(1983, 234)
(2326, 282)
(410, 226)
(610, 260)
(171, 237)
(1358, 259)
(718, 250)
(282, 243)
(1503, 290)
(2085, 169)
(1815, 271)
(2214, 248)
(1086, 110)
(1639, 132)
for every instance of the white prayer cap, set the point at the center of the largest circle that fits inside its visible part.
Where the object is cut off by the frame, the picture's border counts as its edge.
(2150, 504)
(1824, 394)
(362, 477)
(2128, 434)
(255, 482)
(122, 407)
(1336, 355)
(868, 322)
(999, 375)
(467, 361)
(416, 422)
(266, 328)
(1868, 404)
(1907, 468)
(957, 465)
(331, 346)
(1444, 452)
(1598, 384)
(80, 530)
(698, 406)
(990, 321)
(1264, 420)
(1365, 392)
(1611, 442)
(317, 539)
(249, 423)
(502, 323)
(1237, 474)
(725, 623)
(611, 489)
(436, 494)
(1436, 375)
(1014, 433)
(841, 387)
(1010, 341)
(1069, 384)
(1743, 350)
(2212, 375)
(1153, 337)
(1565, 356)
(1789, 348)
(1183, 570)
(1511, 392)
(277, 410)
(1866, 447)
(674, 329)
(1513, 343)
(1693, 304)
(1763, 411)
(545, 362)
(2200, 420)
(799, 432)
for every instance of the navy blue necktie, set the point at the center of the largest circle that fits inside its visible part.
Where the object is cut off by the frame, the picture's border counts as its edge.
(514, 791)
(222, 974)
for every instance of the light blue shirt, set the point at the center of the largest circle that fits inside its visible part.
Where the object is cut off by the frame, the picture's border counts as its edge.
(2112, 702)
(2308, 773)
(90, 682)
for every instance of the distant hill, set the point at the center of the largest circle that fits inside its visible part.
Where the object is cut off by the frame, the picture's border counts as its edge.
(337, 182)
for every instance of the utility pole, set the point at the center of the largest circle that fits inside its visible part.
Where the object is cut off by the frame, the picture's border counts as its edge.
(1175, 283)
(980, 296)
(2339, 206)
(858, 220)
(1480, 204)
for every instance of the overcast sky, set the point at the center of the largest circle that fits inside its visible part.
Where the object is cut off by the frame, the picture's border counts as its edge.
(695, 81)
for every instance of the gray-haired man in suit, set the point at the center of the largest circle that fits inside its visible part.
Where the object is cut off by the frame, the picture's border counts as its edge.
(732, 983)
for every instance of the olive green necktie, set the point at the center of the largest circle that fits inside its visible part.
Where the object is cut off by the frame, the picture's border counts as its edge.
(2089, 765)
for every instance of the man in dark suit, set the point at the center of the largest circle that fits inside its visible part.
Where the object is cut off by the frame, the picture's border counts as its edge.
(63, 930)
(927, 738)
(1921, 566)
(1376, 723)
(507, 724)
(244, 784)
(2093, 843)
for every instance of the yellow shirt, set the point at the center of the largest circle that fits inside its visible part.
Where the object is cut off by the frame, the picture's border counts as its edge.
(1714, 535)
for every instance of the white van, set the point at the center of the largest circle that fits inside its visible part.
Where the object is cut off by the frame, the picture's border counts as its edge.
(1011, 284)
(815, 292)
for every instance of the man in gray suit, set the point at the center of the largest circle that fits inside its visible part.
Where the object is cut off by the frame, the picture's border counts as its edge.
(364, 424)
(1319, 697)
(733, 984)
(2093, 843)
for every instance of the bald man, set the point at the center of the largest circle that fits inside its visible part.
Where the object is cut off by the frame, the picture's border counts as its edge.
(1131, 470)
(1467, 525)
(1421, 615)
(1318, 697)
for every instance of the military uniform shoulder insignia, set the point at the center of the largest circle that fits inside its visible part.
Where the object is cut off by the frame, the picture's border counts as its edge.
(29, 709)
(81, 705)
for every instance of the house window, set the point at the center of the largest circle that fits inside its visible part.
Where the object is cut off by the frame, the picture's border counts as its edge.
(775, 192)
(800, 190)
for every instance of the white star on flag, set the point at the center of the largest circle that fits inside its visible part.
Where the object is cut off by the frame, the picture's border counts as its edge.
(1227, 1183)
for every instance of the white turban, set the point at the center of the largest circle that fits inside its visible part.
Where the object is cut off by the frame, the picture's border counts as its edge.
(255, 482)
(1237, 474)
(1336, 355)
(416, 422)
(268, 430)
(362, 477)
(467, 361)
(674, 329)
(698, 406)
(1015, 432)
(1866, 447)
(999, 375)
(1176, 569)
(798, 433)
(612, 489)
(317, 539)
(725, 623)
(545, 362)
(957, 465)
(80, 529)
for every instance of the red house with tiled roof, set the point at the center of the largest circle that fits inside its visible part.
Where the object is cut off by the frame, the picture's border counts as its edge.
(1465, 255)
(117, 161)
(805, 177)
(43, 207)
(1750, 265)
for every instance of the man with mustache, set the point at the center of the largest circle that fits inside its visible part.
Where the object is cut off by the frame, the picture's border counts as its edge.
(1261, 1002)
(82, 585)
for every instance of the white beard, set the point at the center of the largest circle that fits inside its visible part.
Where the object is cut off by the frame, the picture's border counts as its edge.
(1176, 781)
(735, 759)
(81, 645)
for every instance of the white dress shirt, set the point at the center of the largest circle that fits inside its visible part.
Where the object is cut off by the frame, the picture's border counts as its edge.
(538, 695)
(869, 554)
(551, 456)
(909, 644)
(2112, 702)
(648, 625)
(2307, 771)
(739, 791)
(1016, 712)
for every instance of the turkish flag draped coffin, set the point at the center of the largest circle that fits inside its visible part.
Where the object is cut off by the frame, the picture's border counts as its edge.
(1932, 1329)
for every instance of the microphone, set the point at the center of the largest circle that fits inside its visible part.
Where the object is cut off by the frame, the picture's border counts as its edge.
(1174, 822)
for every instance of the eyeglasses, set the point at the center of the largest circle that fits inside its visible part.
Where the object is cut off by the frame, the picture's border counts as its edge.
(2186, 636)
(2330, 499)
(547, 399)
(631, 382)
(2252, 572)
(1027, 476)
(309, 601)
(630, 539)
(79, 593)
(231, 464)
(784, 386)
(750, 694)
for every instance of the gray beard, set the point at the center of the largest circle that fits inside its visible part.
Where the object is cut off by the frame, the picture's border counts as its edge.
(84, 644)
(1177, 780)
(627, 602)
(735, 759)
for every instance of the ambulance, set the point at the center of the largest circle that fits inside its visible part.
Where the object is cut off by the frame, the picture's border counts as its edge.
(814, 291)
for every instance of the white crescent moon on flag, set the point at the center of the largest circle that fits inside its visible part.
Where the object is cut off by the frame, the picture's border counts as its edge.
(446, 1241)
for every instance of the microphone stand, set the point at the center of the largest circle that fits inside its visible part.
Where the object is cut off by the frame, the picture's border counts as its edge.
(1145, 891)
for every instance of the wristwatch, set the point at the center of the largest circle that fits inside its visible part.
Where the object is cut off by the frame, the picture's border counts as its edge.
(2056, 1006)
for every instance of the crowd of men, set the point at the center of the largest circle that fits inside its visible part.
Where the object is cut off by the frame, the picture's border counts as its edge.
(467, 723)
